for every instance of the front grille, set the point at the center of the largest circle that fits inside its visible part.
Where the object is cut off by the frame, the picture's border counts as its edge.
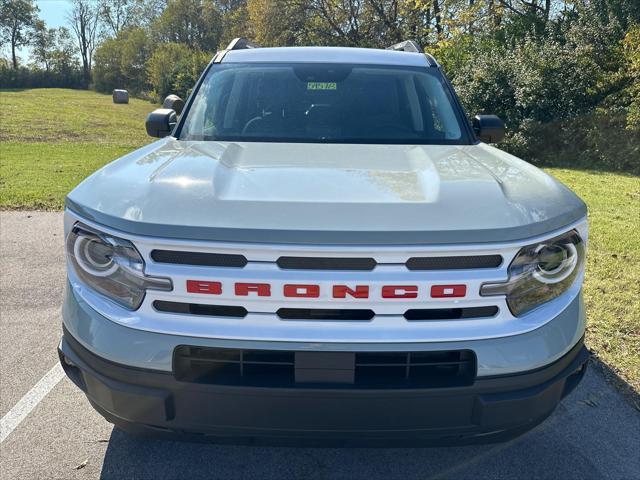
(275, 368)
(325, 263)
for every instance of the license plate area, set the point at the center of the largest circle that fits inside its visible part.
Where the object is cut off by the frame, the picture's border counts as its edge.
(325, 367)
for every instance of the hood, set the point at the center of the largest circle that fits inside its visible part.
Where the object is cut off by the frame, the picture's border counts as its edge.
(325, 193)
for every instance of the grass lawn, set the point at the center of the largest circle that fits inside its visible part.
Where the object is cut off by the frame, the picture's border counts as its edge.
(612, 284)
(53, 138)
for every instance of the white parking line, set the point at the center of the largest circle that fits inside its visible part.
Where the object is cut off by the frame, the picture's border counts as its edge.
(32, 398)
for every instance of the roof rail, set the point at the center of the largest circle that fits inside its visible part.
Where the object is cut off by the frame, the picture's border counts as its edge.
(413, 47)
(406, 46)
(241, 44)
(432, 60)
(235, 44)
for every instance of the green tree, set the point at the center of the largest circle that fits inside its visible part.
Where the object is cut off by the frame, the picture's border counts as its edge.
(277, 23)
(145, 12)
(631, 49)
(121, 62)
(17, 19)
(117, 14)
(235, 20)
(194, 23)
(43, 44)
(63, 59)
(107, 70)
(175, 68)
(83, 18)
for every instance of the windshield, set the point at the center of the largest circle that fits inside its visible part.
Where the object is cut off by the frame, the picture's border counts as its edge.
(267, 102)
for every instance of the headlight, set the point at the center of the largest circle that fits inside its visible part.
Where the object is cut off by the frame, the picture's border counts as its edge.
(540, 273)
(111, 266)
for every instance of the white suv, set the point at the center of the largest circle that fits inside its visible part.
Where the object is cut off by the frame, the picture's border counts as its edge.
(322, 248)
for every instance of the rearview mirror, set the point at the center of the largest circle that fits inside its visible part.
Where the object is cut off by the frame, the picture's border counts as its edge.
(160, 122)
(488, 128)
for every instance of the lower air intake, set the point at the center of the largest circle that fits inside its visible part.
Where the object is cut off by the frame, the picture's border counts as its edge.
(277, 368)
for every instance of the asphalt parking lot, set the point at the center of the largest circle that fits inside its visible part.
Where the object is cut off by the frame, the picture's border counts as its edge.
(594, 434)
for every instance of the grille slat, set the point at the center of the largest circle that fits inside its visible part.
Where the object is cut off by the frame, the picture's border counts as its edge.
(239, 362)
(325, 263)
(324, 314)
(200, 309)
(217, 366)
(454, 262)
(413, 364)
(198, 258)
(417, 314)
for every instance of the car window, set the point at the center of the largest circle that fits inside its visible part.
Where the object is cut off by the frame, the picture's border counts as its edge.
(322, 103)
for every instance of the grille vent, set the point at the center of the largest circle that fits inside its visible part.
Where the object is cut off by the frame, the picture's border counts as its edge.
(198, 258)
(325, 314)
(454, 263)
(200, 309)
(325, 263)
(450, 313)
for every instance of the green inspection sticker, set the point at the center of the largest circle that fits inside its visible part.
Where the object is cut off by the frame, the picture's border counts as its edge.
(322, 86)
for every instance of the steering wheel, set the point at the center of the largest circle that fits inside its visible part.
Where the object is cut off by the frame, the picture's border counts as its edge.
(251, 122)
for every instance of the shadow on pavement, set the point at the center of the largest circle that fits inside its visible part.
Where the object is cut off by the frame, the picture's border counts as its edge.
(593, 434)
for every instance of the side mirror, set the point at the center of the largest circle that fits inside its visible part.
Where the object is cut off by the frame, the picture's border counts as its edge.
(488, 128)
(173, 102)
(160, 122)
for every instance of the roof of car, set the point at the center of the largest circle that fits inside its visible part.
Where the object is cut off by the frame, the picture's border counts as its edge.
(326, 55)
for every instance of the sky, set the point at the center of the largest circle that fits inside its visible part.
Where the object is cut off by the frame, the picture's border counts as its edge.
(53, 12)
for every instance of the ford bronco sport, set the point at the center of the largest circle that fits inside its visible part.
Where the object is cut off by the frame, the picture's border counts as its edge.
(323, 247)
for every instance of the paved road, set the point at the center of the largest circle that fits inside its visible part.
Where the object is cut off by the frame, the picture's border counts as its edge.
(594, 434)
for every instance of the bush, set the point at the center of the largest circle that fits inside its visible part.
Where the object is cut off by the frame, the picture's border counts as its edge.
(591, 141)
(535, 81)
(120, 62)
(555, 97)
(36, 78)
(631, 52)
(174, 68)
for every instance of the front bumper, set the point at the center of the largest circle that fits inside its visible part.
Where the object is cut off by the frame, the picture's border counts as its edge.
(135, 347)
(154, 402)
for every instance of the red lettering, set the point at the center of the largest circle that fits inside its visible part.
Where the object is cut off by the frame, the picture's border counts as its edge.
(399, 291)
(197, 286)
(448, 291)
(262, 289)
(311, 291)
(341, 291)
